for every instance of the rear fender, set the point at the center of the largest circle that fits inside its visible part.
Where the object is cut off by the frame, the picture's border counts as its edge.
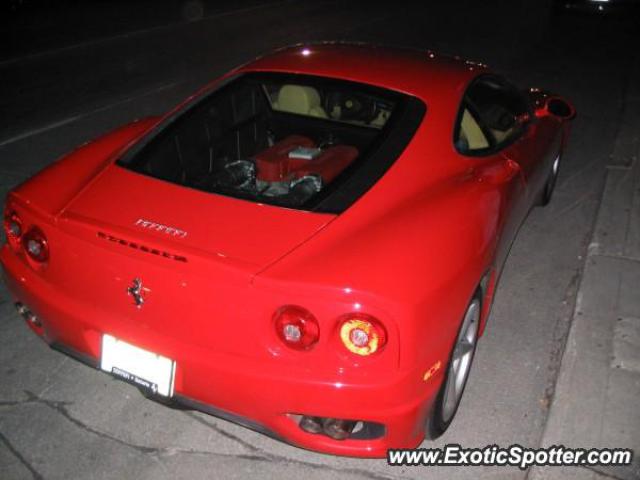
(57, 185)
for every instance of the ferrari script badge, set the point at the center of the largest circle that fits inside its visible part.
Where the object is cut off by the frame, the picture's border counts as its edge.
(158, 227)
(136, 291)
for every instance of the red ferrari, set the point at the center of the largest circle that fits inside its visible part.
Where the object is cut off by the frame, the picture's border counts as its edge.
(309, 246)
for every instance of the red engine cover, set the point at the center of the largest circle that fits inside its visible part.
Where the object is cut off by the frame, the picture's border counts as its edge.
(328, 164)
(274, 165)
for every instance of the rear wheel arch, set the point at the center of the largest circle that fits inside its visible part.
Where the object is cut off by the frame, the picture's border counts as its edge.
(443, 413)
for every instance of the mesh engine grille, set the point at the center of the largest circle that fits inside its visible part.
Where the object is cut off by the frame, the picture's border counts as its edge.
(142, 248)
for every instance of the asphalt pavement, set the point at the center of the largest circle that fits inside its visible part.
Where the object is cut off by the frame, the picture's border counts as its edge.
(595, 404)
(60, 419)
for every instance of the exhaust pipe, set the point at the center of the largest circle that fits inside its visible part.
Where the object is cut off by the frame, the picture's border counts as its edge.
(21, 309)
(311, 424)
(331, 427)
(28, 315)
(337, 429)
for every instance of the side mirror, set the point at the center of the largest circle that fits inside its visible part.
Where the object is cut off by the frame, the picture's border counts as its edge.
(560, 108)
(545, 103)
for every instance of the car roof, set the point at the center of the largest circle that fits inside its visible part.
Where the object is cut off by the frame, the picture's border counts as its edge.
(421, 73)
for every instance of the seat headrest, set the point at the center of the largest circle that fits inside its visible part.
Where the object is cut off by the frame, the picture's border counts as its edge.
(297, 99)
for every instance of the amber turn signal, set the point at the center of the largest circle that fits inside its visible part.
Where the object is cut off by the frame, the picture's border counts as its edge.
(362, 334)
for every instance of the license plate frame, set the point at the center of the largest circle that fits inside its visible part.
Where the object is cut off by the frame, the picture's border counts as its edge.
(147, 370)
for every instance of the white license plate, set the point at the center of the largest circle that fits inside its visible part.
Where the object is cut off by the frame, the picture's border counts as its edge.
(148, 370)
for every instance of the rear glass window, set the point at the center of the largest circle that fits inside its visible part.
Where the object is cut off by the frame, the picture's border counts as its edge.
(288, 140)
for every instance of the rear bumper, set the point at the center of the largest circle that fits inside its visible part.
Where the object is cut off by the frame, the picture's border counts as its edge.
(243, 390)
(178, 401)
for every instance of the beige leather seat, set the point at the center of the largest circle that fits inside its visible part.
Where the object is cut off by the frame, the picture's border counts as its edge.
(501, 135)
(471, 132)
(299, 99)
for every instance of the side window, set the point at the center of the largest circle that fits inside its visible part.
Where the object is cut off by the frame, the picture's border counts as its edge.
(501, 108)
(494, 113)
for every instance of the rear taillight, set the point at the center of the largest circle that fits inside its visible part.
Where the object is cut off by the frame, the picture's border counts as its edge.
(35, 244)
(362, 334)
(13, 228)
(296, 327)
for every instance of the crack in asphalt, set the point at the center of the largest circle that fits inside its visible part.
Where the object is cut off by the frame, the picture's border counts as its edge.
(560, 337)
(256, 455)
(559, 340)
(61, 408)
(21, 459)
(52, 374)
(223, 432)
(590, 196)
(13, 403)
(282, 459)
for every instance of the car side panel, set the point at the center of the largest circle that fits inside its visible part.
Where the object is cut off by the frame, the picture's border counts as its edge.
(419, 262)
(535, 152)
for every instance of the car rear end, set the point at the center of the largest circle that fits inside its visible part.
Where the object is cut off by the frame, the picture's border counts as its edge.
(231, 344)
(145, 258)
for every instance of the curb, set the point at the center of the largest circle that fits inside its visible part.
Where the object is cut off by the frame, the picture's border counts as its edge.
(597, 390)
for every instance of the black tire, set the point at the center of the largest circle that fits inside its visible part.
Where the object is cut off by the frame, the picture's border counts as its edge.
(443, 412)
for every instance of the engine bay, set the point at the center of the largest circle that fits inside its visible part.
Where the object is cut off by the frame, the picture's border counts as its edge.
(270, 140)
(293, 167)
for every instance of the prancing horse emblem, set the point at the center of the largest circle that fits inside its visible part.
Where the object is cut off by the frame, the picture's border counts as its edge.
(135, 291)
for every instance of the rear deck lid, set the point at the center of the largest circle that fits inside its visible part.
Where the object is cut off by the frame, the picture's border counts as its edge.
(186, 221)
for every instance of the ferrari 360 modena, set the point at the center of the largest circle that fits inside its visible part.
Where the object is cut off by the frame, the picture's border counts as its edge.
(309, 246)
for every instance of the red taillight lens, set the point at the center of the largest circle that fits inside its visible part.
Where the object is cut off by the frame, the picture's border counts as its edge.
(35, 244)
(13, 228)
(296, 327)
(362, 334)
